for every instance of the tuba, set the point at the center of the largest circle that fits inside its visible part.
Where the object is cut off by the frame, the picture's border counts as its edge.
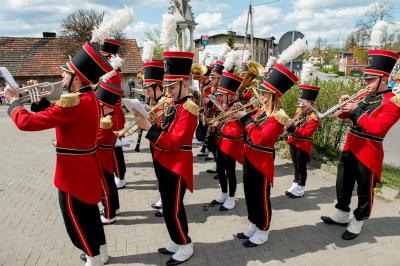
(198, 70)
(255, 70)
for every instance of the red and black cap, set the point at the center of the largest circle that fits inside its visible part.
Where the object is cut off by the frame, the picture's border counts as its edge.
(153, 73)
(108, 94)
(308, 92)
(88, 64)
(380, 63)
(177, 66)
(278, 80)
(229, 83)
(116, 79)
(217, 69)
(110, 47)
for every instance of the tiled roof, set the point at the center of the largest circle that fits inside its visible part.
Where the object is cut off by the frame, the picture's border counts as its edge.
(33, 57)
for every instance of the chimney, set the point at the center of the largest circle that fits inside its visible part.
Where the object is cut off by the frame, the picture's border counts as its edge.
(49, 35)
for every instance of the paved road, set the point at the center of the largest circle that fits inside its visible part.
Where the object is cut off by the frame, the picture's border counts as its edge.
(391, 146)
(32, 231)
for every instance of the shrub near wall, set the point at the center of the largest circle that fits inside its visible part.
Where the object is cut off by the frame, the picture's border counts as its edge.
(331, 132)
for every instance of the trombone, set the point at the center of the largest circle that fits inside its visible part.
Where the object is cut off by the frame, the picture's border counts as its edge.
(33, 93)
(224, 117)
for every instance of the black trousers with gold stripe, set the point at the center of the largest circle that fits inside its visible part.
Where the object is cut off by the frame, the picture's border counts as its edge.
(172, 189)
(111, 201)
(257, 190)
(350, 171)
(83, 223)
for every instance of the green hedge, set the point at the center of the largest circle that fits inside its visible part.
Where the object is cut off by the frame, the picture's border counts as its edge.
(331, 132)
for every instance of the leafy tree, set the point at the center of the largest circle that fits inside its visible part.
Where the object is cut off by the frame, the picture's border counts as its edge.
(155, 36)
(230, 40)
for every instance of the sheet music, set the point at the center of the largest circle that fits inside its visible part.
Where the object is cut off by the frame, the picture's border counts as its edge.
(135, 105)
(8, 77)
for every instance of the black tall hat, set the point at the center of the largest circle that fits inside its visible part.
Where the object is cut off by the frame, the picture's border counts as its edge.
(278, 80)
(229, 83)
(153, 73)
(217, 69)
(177, 66)
(110, 47)
(308, 92)
(108, 94)
(380, 63)
(88, 64)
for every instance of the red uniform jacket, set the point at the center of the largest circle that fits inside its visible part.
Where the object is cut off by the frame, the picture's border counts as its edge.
(173, 137)
(77, 169)
(372, 119)
(261, 134)
(230, 140)
(105, 144)
(300, 135)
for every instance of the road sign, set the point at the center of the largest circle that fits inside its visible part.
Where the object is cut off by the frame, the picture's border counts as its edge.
(204, 40)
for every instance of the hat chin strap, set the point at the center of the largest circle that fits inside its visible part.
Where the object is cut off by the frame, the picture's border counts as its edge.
(377, 87)
(180, 89)
(70, 83)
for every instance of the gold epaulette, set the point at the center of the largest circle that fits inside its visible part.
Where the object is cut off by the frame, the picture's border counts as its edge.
(69, 100)
(396, 100)
(313, 116)
(105, 122)
(191, 107)
(282, 117)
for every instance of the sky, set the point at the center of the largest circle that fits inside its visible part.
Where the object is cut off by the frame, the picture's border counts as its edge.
(329, 20)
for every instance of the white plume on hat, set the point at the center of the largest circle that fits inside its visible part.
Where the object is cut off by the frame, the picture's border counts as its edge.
(116, 62)
(168, 31)
(378, 33)
(148, 51)
(246, 55)
(307, 72)
(270, 63)
(224, 51)
(233, 58)
(293, 51)
(112, 22)
(206, 55)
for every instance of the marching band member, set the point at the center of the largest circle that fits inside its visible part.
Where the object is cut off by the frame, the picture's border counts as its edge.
(303, 126)
(78, 177)
(230, 145)
(153, 84)
(262, 130)
(109, 49)
(108, 95)
(361, 161)
(173, 159)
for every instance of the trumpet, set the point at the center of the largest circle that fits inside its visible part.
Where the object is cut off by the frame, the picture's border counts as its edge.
(336, 110)
(153, 119)
(224, 117)
(33, 93)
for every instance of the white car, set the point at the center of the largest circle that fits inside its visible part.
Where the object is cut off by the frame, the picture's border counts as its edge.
(331, 74)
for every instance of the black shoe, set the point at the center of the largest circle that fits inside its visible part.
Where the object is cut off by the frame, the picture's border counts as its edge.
(202, 155)
(172, 262)
(249, 244)
(215, 203)
(83, 257)
(349, 235)
(158, 214)
(328, 220)
(242, 236)
(210, 171)
(155, 206)
(223, 209)
(292, 196)
(165, 251)
(209, 159)
(216, 177)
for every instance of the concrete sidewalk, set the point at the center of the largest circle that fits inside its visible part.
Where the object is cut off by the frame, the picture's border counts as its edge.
(32, 231)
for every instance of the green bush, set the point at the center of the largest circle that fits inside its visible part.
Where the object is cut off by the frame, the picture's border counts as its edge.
(331, 132)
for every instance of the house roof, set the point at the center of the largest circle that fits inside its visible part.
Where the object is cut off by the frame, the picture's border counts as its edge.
(34, 57)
